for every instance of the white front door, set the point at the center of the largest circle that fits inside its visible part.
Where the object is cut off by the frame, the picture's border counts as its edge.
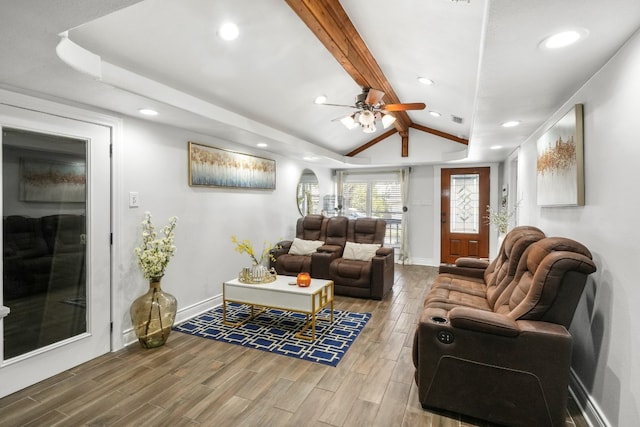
(56, 245)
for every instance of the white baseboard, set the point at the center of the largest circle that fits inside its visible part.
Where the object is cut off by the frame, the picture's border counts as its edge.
(187, 313)
(183, 314)
(590, 409)
(421, 261)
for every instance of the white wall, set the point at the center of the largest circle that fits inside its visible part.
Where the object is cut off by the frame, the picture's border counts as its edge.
(151, 159)
(421, 216)
(606, 344)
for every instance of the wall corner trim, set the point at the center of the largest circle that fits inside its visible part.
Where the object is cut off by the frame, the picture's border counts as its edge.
(591, 411)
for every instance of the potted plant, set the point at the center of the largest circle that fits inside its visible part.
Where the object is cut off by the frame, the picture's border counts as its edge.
(258, 271)
(500, 219)
(153, 314)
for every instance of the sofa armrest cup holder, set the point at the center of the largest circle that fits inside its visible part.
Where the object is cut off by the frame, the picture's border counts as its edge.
(439, 320)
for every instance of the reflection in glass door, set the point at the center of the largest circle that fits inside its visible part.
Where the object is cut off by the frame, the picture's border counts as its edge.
(44, 239)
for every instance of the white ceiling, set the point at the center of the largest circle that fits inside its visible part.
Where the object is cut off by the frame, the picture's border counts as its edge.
(483, 56)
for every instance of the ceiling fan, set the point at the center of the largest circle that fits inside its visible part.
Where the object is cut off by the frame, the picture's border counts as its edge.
(371, 108)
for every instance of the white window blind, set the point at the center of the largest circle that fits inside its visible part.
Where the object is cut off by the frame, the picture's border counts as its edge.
(376, 195)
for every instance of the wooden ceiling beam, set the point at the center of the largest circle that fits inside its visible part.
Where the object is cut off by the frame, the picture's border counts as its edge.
(404, 151)
(331, 25)
(440, 133)
(371, 143)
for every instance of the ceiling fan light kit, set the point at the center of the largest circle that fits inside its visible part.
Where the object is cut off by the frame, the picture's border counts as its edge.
(366, 118)
(371, 108)
(387, 120)
(369, 128)
(349, 121)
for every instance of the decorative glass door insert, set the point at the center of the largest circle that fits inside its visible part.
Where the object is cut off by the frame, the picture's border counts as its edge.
(465, 197)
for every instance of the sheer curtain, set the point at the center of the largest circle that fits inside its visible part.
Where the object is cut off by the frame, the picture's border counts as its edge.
(404, 224)
(339, 192)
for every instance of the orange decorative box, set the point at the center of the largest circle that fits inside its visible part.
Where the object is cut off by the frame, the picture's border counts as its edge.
(304, 280)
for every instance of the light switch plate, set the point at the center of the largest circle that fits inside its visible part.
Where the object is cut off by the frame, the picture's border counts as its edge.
(134, 200)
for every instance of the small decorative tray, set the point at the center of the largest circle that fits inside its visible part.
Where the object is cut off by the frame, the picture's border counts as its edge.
(257, 276)
(257, 282)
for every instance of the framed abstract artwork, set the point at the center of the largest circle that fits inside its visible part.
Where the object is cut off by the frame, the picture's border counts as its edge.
(214, 167)
(560, 162)
(52, 181)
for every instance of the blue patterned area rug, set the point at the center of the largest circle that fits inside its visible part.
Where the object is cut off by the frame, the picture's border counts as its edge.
(274, 331)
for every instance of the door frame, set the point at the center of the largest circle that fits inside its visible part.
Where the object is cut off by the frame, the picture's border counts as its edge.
(115, 128)
(437, 208)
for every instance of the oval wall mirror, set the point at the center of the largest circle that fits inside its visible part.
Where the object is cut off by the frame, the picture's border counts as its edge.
(308, 193)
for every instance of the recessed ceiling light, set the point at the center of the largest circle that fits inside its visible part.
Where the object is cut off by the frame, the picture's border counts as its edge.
(425, 81)
(320, 99)
(262, 144)
(148, 112)
(495, 147)
(435, 113)
(562, 39)
(309, 158)
(510, 124)
(228, 31)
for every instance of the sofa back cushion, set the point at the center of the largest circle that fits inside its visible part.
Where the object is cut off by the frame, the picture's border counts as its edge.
(549, 281)
(503, 269)
(336, 230)
(366, 230)
(311, 227)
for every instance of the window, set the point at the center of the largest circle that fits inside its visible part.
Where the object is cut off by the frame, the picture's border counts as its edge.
(377, 196)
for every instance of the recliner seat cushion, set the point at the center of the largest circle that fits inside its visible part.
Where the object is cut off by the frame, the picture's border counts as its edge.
(294, 264)
(351, 272)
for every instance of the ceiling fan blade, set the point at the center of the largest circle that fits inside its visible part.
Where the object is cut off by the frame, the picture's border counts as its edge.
(340, 105)
(337, 119)
(404, 107)
(374, 96)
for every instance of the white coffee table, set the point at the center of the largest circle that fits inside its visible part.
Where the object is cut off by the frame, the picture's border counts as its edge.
(279, 294)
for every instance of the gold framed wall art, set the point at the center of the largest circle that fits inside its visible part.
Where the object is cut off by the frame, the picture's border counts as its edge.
(560, 162)
(215, 167)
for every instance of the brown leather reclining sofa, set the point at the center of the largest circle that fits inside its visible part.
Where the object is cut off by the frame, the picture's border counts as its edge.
(363, 278)
(492, 339)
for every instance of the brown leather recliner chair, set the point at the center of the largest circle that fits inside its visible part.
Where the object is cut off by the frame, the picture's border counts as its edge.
(330, 230)
(359, 278)
(508, 364)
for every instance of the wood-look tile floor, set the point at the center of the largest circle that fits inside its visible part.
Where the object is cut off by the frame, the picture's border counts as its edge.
(195, 381)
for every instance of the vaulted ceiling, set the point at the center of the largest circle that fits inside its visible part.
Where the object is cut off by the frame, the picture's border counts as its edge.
(482, 55)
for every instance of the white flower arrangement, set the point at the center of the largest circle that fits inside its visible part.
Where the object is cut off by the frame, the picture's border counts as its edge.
(500, 218)
(155, 253)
